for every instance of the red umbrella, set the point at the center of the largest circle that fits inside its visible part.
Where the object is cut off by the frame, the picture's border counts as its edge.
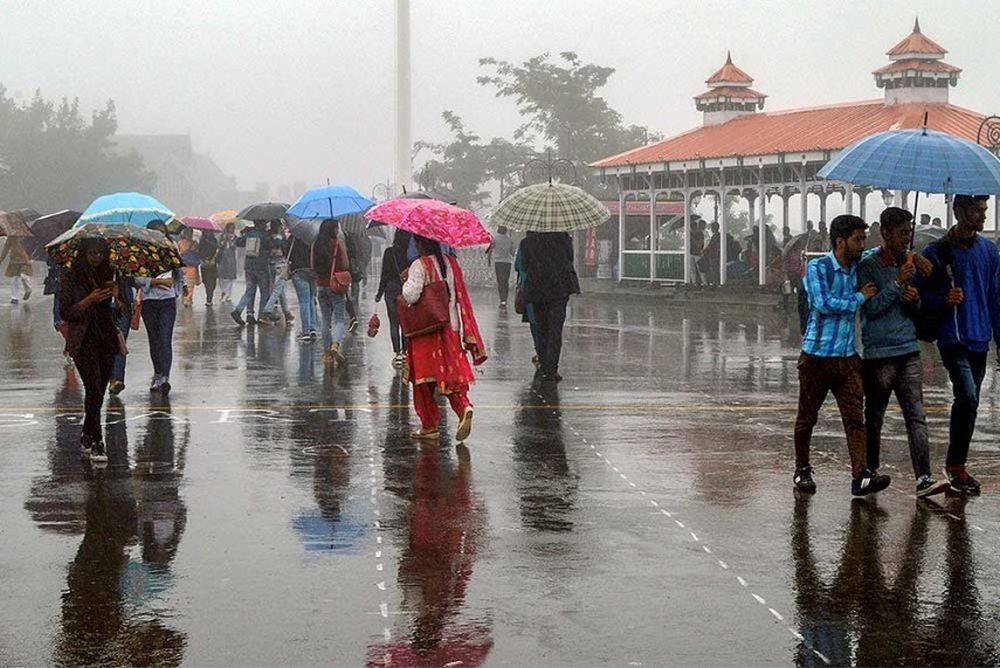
(433, 219)
(198, 223)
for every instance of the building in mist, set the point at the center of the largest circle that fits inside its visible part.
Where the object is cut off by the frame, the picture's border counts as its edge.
(740, 150)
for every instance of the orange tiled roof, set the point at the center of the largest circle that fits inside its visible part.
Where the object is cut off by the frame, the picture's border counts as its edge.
(729, 73)
(916, 42)
(731, 91)
(799, 130)
(918, 64)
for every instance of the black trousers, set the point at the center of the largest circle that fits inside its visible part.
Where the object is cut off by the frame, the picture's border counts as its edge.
(549, 320)
(209, 278)
(395, 331)
(95, 371)
(503, 279)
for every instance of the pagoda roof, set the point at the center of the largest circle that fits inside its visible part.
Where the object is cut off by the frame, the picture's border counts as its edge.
(828, 128)
(918, 64)
(731, 91)
(729, 73)
(917, 42)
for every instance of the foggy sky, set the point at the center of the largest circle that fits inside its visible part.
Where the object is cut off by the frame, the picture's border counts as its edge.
(302, 90)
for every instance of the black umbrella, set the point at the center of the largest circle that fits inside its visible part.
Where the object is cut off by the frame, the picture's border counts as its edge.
(807, 241)
(925, 235)
(47, 228)
(264, 211)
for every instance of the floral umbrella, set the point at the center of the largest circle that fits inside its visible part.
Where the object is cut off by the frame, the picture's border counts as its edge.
(133, 250)
(433, 219)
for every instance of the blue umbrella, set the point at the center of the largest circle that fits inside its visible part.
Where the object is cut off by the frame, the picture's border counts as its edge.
(330, 202)
(125, 208)
(919, 160)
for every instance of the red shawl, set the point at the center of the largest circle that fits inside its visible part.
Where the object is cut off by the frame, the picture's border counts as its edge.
(472, 340)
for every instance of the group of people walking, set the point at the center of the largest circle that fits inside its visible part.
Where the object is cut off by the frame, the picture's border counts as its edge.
(949, 294)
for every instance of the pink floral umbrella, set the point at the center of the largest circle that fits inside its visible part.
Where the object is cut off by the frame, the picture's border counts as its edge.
(433, 219)
(198, 223)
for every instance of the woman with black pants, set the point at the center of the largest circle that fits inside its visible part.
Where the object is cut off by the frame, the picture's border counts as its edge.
(390, 286)
(547, 258)
(208, 249)
(92, 338)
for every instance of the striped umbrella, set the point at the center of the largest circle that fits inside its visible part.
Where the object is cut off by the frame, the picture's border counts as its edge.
(549, 207)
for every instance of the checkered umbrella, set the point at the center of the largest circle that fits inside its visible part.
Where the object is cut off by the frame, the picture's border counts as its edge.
(549, 207)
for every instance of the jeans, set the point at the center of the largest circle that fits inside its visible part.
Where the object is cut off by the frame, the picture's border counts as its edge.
(395, 331)
(257, 279)
(818, 376)
(549, 320)
(502, 270)
(352, 299)
(966, 370)
(902, 375)
(333, 308)
(305, 289)
(226, 287)
(124, 324)
(277, 297)
(95, 372)
(159, 315)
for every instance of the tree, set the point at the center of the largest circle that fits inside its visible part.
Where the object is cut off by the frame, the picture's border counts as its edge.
(52, 158)
(561, 104)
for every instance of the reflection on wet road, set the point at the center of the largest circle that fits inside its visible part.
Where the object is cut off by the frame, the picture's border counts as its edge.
(641, 513)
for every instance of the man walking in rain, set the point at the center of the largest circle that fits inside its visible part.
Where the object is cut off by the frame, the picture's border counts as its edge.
(829, 360)
(891, 350)
(965, 290)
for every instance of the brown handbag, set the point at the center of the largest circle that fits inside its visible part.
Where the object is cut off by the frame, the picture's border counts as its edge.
(340, 281)
(430, 313)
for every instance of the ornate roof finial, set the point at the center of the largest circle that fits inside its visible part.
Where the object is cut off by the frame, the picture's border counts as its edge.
(729, 57)
(916, 24)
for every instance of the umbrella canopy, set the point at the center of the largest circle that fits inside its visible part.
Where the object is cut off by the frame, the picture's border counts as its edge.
(305, 230)
(550, 207)
(433, 219)
(807, 241)
(264, 211)
(197, 223)
(134, 250)
(28, 215)
(919, 160)
(46, 228)
(120, 208)
(330, 202)
(924, 236)
(13, 225)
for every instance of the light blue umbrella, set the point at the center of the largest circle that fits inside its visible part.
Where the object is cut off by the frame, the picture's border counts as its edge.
(125, 208)
(919, 160)
(330, 202)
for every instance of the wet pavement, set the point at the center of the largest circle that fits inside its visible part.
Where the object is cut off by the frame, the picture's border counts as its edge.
(639, 514)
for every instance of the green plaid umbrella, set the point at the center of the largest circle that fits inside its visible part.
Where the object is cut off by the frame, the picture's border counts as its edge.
(549, 207)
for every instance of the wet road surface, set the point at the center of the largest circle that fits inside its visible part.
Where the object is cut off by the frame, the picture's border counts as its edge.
(639, 514)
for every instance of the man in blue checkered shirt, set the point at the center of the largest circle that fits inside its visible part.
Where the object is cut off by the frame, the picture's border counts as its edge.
(829, 360)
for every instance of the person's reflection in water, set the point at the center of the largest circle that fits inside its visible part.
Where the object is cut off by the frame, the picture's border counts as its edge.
(399, 452)
(859, 618)
(546, 486)
(445, 529)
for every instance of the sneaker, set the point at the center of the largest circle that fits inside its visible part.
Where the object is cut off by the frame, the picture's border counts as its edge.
(353, 327)
(116, 387)
(165, 387)
(208, 304)
(14, 302)
(552, 377)
(869, 483)
(97, 453)
(465, 426)
(928, 486)
(304, 337)
(85, 445)
(313, 335)
(337, 355)
(235, 315)
(503, 304)
(961, 482)
(803, 480)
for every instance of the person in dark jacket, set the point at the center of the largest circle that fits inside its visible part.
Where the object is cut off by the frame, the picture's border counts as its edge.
(208, 249)
(124, 307)
(303, 278)
(547, 258)
(92, 338)
(257, 243)
(390, 286)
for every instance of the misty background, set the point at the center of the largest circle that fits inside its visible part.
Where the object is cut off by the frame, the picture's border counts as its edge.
(290, 92)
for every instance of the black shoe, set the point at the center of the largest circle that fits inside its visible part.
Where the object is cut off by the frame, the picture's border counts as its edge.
(353, 327)
(963, 483)
(97, 453)
(165, 388)
(928, 486)
(86, 443)
(251, 320)
(235, 315)
(803, 480)
(869, 483)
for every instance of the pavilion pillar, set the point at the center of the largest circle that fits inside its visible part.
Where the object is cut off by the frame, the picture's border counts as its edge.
(784, 212)
(762, 235)
(822, 207)
(723, 237)
(687, 234)
(948, 213)
(751, 199)
(621, 230)
(862, 201)
(653, 232)
(849, 198)
(803, 199)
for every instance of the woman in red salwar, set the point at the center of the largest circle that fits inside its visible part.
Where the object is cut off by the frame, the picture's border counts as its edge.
(440, 359)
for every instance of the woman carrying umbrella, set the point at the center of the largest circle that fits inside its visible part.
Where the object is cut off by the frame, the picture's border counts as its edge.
(92, 338)
(225, 262)
(188, 249)
(19, 269)
(330, 261)
(438, 359)
(208, 250)
(390, 286)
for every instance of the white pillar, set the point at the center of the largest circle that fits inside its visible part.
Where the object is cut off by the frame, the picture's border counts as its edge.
(723, 250)
(687, 235)
(403, 168)
(652, 230)
(862, 204)
(948, 213)
(784, 212)
(804, 199)
(849, 198)
(822, 208)
(762, 237)
(621, 230)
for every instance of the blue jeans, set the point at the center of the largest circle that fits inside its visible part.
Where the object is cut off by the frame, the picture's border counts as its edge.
(277, 297)
(305, 289)
(966, 370)
(159, 315)
(124, 324)
(257, 279)
(333, 308)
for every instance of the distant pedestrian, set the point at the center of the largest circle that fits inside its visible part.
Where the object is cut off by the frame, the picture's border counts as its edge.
(18, 269)
(501, 254)
(330, 262)
(92, 340)
(547, 258)
(159, 313)
(390, 286)
(965, 290)
(359, 254)
(303, 278)
(280, 276)
(225, 262)
(697, 247)
(438, 360)
(892, 362)
(829, 360)
(187, 248)
(208, 250)
(257, 244)
(528, 311)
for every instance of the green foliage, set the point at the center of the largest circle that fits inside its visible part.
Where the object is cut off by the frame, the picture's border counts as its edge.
(52, 158)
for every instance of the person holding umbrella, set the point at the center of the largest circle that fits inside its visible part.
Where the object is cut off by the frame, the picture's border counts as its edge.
(331, 265)
(225, 261)
(159, 313)
(188, 248)
(257, 243)
(550, 279)
(19, 269)
(390, 286)
(208, 250)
